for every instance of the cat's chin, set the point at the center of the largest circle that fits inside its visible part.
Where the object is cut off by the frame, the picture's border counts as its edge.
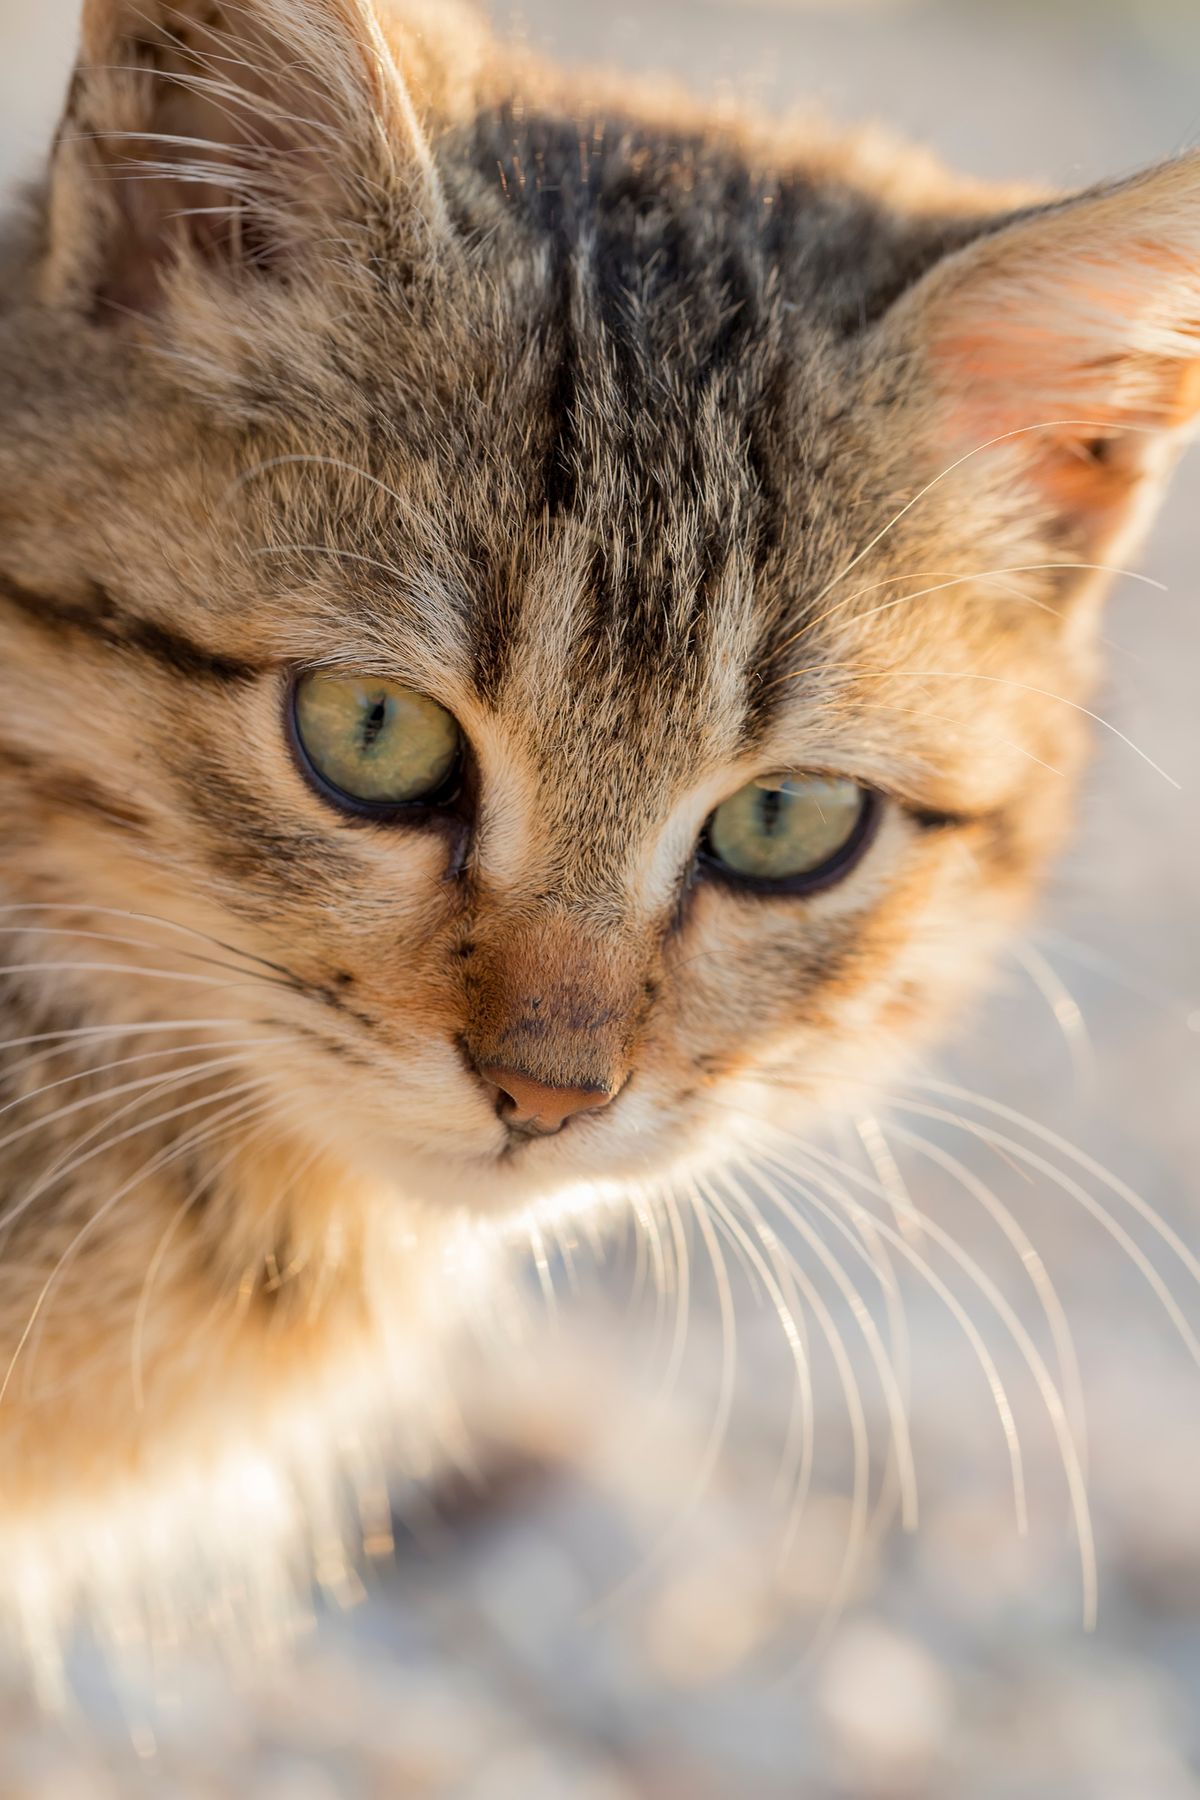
(592, 1164)
(493, 1186)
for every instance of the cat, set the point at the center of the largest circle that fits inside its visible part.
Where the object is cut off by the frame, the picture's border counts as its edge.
(542, 631)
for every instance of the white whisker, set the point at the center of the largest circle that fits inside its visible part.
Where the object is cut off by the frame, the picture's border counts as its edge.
(991, 443)
(1035, 1363)
(681, 1261)
(59, 1170)
(541, 1262)
(855, 1413)
(176, 1149)
(1070, 1375)
(946, 580)
(199, 1188)
(76, 1033)
(829, 1185)
(861, 1314)
(175, 926)
(989, 1135)
(1064, 1008)
(144, 1085)
(122, 1062)
(797, 1459)
(667, 1541)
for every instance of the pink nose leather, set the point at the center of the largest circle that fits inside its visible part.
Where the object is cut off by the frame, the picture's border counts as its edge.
(539, 1105)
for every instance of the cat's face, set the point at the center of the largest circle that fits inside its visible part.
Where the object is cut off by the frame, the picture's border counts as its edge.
(717, 539)
(624, 663)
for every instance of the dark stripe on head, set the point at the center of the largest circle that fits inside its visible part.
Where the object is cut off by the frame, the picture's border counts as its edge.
(247, 838)
(562, 398)
(103, 620)
(69, 790)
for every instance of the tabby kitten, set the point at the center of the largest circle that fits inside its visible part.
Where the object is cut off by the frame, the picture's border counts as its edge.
(539, 630)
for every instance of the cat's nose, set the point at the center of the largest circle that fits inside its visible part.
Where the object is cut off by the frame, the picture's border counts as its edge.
(539, 1106)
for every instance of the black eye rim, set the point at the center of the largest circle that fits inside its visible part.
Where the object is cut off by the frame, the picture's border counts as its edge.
(446, 803)
(812, 881)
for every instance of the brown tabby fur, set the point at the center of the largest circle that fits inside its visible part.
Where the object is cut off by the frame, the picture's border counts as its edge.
(343, 337)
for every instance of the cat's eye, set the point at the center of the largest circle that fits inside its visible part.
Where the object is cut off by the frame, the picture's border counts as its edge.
(375, 744)
(792, 833)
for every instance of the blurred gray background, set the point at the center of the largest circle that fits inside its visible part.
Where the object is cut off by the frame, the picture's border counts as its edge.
(539, 1643)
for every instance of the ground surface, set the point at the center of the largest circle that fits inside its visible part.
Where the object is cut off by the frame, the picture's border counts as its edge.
(482, 1667)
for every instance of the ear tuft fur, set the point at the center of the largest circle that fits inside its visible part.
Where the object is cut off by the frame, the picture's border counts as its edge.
(245, 134)
(1069, 340)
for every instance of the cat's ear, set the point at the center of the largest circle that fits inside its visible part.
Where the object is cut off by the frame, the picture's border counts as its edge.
(237, 134)
(1062, 351)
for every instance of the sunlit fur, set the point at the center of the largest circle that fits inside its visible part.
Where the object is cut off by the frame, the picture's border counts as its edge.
(663, 452)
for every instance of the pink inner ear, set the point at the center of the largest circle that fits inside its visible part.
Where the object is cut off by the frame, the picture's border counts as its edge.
(1076, 361)
(232, 135)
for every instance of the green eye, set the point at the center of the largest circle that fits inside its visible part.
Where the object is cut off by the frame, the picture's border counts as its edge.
(375, 742)
(798, 832)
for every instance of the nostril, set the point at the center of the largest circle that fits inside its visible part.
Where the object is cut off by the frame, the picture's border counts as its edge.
(540, 1105)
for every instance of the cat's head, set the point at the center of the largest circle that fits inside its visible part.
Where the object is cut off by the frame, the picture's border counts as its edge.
(528, 615)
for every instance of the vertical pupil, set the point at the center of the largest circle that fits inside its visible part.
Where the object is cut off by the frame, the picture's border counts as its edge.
(374, 721)
(770, 810)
